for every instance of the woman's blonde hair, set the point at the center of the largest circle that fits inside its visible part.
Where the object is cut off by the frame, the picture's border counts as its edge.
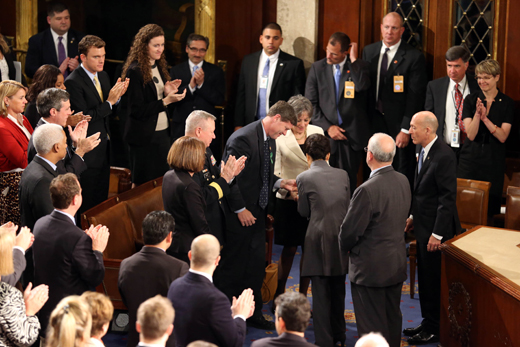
(70, 323)
(8, 88)
(488, 66)
(101, 309)
(187, 154)
(6, 252)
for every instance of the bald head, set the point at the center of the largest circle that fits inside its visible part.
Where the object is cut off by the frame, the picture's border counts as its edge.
(204, 251)
(427, 119)
(382, 148)
(423, 128)
(372, 340)
(394, 16)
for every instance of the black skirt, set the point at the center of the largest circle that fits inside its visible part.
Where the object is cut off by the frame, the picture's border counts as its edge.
(289, 226)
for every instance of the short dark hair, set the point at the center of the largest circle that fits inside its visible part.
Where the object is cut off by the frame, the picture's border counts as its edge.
(295, 310)
(317, 146)
(54, 7)
(285, 110)
(88, 42)
(49, 99)
(196, 37)
(273, 26)
(63, 188)
(456, 52)
(156, 226)
(342, 38)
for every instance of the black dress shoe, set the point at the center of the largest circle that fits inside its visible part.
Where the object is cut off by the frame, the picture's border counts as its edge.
(260, 323)
(413, 331)
(422, 338)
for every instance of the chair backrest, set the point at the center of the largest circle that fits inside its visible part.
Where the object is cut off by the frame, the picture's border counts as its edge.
(511, 174)
(120, 180)
(512, 219)
(472, 202)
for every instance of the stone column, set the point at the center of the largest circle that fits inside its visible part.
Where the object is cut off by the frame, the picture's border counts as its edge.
(26, 26)
(205, 24)
(299, 22)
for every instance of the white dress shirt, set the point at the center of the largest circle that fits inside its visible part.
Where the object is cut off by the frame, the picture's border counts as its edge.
(56, 41)
(451, 112)
(273, 61)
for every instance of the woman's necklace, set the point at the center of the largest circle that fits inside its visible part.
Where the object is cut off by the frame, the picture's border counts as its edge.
(302, 136)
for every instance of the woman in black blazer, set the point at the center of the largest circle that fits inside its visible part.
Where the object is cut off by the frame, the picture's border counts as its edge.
(146, 105)
(7, 69)
(182, 196)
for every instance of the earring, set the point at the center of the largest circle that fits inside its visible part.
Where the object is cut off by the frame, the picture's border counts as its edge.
(6, 105)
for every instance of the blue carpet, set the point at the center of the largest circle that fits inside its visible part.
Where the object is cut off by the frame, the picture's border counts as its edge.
(410, 308)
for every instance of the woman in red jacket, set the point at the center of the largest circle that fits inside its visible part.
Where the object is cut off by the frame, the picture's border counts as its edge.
(15, 132)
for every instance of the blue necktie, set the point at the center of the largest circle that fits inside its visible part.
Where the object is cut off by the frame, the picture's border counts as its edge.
(195, 68)
(337, 77)
(262, 94)
(264, 192)
(420, 162)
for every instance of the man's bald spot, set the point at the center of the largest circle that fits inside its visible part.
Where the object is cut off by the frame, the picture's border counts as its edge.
(396, 16)
(382, 146)
(204, 250)
(385, 142)
(427, 120)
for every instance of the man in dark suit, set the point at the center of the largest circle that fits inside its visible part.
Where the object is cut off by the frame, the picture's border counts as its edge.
(155, 321)
(372, 232)
(243, 256)
(54, 108)
(397, 89)
(151, 266)
(336, 87)
(445, 97)
(205, 82)
(434, 219)
(70, 261)
(292, 315)
(266, 77)
(203, 312)
(57, 45)
(215, 183)
(89, 89)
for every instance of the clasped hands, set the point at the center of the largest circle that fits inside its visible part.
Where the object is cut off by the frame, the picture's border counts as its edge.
(170, 90)
(79, 137)
(232, 168)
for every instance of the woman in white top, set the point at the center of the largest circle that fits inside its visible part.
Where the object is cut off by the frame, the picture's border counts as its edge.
(289, 226)
(146, 105)
(15, 132)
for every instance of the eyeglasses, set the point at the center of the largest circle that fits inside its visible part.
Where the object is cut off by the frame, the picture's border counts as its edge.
(365, 149)
(195, 50)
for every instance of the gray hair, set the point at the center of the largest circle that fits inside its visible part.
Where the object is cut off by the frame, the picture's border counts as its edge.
(50, 98)
(383, 152)
(372, 340)
(301, 104)
(46, 136)
(197, 119)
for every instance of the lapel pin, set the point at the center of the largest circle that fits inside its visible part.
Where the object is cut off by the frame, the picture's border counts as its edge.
(395, 61)
(499, 99)
(281, 64)
(348, 71)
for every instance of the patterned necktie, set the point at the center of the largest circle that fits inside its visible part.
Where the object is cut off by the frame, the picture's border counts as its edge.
(420, 161)
(459, 104)
(262, 93)
(195, 68)
(98, 88)
(382, 76)
(264, 193)
(337, 77)
(62, 55)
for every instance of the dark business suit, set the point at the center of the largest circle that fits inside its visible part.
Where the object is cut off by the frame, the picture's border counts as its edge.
(434, 211)
(320, 90)
(284, 340)
(288, 80)
(202, 312)
(71, 163)
(84, 97)
(436, 94)
(42, 50)
(63, 260)
(211, 94)
(243, 256)
(372, 232)
(325, 191)
(182, 198)
(214, 188)
(158, 270)
(398, 108)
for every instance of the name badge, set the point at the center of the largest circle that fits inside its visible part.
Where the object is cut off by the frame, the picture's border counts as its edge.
(263, 82)
(455, 137)
(349, 90)
(398, 84)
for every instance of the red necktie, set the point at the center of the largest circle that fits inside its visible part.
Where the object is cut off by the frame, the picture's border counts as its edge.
(459, 104)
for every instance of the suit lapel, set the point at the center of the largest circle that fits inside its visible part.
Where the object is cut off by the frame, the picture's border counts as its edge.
(49, 47)
(71, 47)
(398, 59)
(89, 83)
(426, 163)
(293, 145)
(327, 69)
(278, 69)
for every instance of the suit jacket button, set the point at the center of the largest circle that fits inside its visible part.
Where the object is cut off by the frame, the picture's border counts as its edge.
(212, 176)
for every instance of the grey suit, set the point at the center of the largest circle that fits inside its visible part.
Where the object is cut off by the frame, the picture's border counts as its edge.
(373, 233)
(19, 264)
(324, 194)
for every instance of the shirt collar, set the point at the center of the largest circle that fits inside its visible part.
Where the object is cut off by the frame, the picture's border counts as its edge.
(341, 64)
(428, 147)
(263, 131)
(149, 345)
(192, 65)
(55, 37)
(271, 57)
(68, 215)
(24, 129)
(462, 84)
(208, 276)
(53, 166)
(376, 170)
(90, 74)
(393, 48)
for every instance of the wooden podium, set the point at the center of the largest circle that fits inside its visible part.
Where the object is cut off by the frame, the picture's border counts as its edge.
(480, 289)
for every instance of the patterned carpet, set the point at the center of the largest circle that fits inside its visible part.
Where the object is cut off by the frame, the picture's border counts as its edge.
(410, 308)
